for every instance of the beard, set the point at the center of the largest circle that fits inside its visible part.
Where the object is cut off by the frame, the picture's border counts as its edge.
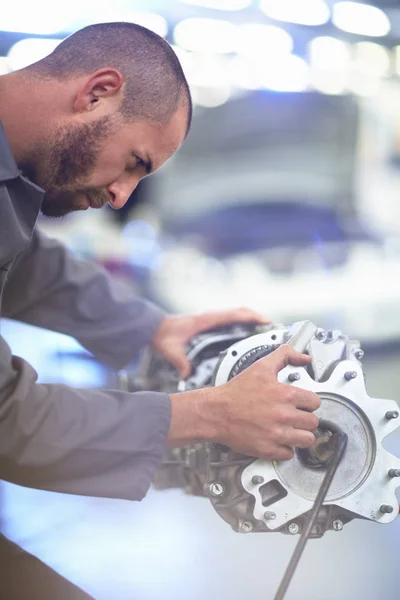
(62, 166)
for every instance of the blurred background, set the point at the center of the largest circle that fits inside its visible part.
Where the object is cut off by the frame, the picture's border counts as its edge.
(284, 198)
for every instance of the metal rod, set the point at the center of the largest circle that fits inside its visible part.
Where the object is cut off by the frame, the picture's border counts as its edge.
(323, 490)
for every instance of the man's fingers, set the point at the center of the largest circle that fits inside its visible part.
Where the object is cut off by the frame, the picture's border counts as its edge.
(283, 453)
(298, 438)
(305, 399)
(177, 357)
(284, 356)
(305, 420)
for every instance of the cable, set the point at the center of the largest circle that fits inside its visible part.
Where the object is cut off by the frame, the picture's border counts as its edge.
(341, 441)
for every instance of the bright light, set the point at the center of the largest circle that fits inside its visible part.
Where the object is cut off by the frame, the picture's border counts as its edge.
(287, 74)
(245, 73)
(29, 51)
(397, 59)
(304, 12)
(329, 82)
(220, 4)
(362, 19)
(328, 53)
(209, 70)
(206, 35)
(152, 21)
(259, 41)
(372, 59)
(186, 59)
(362, 85)
(34, 17)
(211, 97)
(4, 65)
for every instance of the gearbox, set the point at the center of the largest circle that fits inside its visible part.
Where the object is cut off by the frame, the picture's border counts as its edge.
(255, 495)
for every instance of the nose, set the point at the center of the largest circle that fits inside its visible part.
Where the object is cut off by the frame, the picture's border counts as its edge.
(120, 193)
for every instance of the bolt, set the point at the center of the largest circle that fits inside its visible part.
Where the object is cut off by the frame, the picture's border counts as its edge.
(359, 354)
(321, 335)
(394, 473)
(386, 508)
(269, 515)
(257, 479)
(337, 525)
(216, 489)
(293, 528)
(294, 377)
(350, 375)
(245, 526)
(392, 414)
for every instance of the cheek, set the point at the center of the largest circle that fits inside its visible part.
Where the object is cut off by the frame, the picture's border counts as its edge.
(108, 168)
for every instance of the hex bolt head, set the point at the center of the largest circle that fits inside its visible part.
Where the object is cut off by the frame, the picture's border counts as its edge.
(321, 335)
(394, 472)
(392, 414)
(349, 375)
(386, 508)
(337, 525)
(257, 479)
(245, 526)
(359, 354)
(294, 377)
(269, 515)
(216, 489)
(293, 528)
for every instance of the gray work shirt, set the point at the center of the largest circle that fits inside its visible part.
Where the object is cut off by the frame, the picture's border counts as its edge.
(90, 442)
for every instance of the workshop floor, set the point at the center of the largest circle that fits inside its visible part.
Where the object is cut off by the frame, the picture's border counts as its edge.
(173, 547)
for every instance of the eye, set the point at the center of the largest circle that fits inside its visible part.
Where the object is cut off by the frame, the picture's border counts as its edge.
(136, 162)
(140, 162)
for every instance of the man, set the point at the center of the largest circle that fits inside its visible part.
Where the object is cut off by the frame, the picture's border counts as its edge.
(80, 128)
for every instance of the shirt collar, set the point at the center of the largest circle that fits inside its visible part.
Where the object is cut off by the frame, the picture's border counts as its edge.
(8, 166)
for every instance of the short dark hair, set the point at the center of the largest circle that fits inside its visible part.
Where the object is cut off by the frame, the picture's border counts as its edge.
(155, 83)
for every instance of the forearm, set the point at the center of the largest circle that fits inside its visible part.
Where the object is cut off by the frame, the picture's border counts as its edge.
(197, 415)
(51, 289)
(89, 442)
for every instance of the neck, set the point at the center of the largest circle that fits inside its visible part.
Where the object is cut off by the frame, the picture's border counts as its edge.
(20, 100)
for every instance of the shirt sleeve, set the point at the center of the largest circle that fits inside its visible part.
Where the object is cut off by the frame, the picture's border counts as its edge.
(49, 288)
(89, 442)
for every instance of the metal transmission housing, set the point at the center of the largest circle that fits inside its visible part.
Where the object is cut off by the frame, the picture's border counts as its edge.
(261, 495)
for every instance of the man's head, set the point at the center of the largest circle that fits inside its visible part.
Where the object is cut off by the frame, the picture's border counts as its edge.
(114, 105)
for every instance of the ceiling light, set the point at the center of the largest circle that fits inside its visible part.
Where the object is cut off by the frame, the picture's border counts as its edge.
(209, 70)
(329, 82)
(363, 85)
(304, 12)
(152, 21)
(30, 50)
(206, 35)
(287, 74)
(220, 4)
(33, 19)
(211, 97)
(371, 58)
(4, 65)
(361, 19)
(328, 53)
(258, 41)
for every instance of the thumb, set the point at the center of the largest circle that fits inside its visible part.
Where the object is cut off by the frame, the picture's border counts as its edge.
(283, 356)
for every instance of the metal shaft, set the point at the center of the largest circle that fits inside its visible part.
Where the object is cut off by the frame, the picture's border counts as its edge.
(341, 445)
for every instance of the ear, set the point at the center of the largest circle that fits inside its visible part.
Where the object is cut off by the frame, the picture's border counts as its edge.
(104, 84)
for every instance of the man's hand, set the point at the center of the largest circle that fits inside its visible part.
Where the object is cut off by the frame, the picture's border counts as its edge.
(175, 331)
(253, 413)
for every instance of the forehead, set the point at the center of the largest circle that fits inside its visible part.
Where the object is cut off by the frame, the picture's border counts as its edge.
(159, 140)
